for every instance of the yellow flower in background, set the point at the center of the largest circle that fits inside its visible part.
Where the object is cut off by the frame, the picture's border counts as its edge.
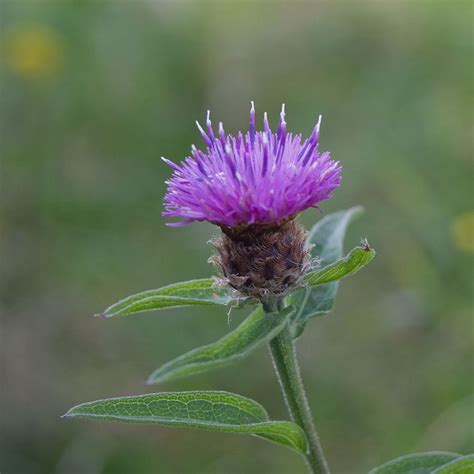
(463, 232)
(33, 51)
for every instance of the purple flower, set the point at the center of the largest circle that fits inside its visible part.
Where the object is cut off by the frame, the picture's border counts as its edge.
(257, 178)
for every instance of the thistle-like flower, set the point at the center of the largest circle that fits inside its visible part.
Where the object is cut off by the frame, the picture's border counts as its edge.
(252, 186)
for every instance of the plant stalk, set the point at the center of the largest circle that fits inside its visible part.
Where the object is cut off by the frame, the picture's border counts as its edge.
(282, 348)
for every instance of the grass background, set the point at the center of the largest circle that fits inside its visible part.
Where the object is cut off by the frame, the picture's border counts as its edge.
(94, 92)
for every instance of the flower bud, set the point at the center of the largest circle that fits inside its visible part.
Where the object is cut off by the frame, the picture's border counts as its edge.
(263, 260)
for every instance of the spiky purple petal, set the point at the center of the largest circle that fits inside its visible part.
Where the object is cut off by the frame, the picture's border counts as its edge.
(259, 177)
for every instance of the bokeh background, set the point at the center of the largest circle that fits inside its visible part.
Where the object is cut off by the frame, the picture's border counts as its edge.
(94, 92)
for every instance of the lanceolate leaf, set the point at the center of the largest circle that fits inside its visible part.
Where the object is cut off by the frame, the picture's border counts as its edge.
(422, 463)
(463, 465)
(327, 236)
(216, 411)
(254, 332)
(356, 259)
(193, 292)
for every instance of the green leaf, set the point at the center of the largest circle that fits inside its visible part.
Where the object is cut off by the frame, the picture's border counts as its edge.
(356, 259)
(422, 463)
(462, 465)
(193, 292)
(208, 410)
(327, 236)
(254, 332)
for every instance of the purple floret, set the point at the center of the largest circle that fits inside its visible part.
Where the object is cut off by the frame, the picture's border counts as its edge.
(260, 177)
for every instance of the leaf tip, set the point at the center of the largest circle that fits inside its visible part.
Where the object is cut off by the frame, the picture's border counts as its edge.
(101, 315)
(155, 378)
(68, 414)
(357, 210)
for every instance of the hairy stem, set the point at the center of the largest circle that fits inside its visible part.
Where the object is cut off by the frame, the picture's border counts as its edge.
(283, 352)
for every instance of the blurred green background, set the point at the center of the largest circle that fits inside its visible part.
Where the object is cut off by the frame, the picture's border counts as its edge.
(94, 92)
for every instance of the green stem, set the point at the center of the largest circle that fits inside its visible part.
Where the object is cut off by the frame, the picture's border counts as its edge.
(282, 348)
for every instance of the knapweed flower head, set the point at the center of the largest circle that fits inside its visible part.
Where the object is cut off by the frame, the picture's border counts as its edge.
(258, 177)
(252, 186)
